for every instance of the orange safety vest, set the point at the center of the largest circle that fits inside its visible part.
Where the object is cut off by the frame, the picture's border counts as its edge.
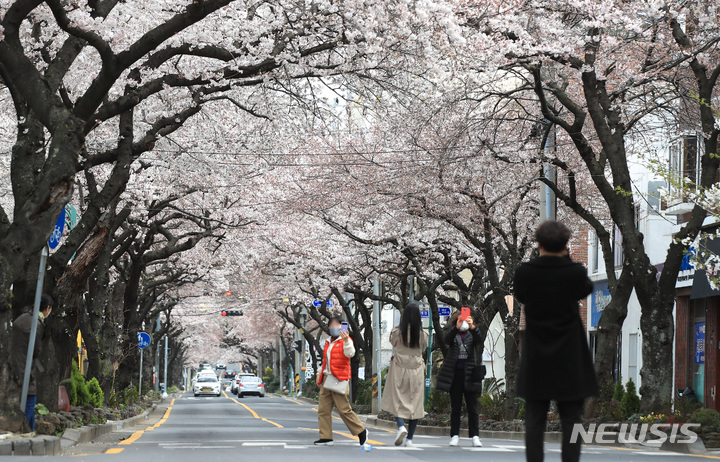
(339, 363)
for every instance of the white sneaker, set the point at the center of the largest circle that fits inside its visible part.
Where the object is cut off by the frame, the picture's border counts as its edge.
(409, 443)
(476, 442)
(401, 434)
(454, 440)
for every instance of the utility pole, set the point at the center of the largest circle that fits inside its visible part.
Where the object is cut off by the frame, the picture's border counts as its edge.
(377, 402)
(156, 367)
(548, 202)
(165, 384)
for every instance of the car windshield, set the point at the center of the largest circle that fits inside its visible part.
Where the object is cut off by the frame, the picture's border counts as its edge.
(207, 379)
(250, 379)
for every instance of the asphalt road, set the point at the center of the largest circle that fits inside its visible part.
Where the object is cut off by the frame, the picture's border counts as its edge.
(275, 429)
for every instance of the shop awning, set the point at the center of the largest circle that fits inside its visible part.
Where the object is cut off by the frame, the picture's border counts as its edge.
(701, 287)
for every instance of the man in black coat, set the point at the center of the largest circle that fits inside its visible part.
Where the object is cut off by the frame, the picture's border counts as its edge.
(555, 360)
(20, 340)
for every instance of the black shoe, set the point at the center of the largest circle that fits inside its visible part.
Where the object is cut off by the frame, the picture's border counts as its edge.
(363, 436)
(323, 442)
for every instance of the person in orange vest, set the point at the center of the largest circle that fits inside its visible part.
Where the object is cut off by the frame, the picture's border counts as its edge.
(334, 380)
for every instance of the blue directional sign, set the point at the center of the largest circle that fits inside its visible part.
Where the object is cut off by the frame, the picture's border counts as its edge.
(444, 311)
(143, 340)
(318, 303)
(57, 231)
(424, 313)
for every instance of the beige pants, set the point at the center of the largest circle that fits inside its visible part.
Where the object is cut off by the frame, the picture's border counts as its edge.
(342, 402)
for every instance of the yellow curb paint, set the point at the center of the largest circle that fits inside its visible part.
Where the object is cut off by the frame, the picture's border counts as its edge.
(114, 450)
(172, 403)
(133, 437)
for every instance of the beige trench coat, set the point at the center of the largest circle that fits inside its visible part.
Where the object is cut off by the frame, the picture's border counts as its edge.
(404, 392)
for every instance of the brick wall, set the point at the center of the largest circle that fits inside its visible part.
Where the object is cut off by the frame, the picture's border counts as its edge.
(579, 246)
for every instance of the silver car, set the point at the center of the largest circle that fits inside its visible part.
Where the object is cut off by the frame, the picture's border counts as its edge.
(207, 385)
(250, 385)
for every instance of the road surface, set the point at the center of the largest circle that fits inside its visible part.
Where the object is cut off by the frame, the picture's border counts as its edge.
(275, 429)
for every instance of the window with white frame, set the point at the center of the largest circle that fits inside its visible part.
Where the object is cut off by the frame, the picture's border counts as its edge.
(684, 161)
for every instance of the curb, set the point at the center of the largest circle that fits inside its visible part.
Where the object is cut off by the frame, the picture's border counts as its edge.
(86, 434)
(36, 446)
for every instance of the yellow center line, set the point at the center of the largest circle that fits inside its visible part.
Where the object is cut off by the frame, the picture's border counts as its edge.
(293, 401)
(254, 414)
(114, 450)
(271, 422)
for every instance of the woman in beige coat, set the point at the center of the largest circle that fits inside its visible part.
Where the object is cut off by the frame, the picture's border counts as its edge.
(404, 386)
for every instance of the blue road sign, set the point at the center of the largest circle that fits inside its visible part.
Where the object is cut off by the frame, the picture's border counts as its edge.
(57, 231)
(424, 313)
(143, 340)
(444, 311)
(329, 304)
(318, 303)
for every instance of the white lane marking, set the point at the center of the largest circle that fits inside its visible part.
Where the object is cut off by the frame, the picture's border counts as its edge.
(489, 449)
(267, 443)
(200, 447)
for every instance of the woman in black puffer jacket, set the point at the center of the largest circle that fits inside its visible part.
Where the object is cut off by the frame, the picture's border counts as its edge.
(461, 374)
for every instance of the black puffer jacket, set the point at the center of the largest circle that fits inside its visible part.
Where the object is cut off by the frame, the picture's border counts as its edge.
(447, 370)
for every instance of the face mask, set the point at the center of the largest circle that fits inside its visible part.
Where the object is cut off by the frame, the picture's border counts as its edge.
(464, 327)
(334, 331)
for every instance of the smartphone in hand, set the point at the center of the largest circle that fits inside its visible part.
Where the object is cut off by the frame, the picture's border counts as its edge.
(344, 327)
(464, 313)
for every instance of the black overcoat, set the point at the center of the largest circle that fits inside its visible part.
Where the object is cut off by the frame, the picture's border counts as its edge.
(447, 370)
(555, 359)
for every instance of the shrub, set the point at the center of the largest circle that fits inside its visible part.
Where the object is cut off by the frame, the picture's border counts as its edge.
(619, 392)
(272, 383)
(492, 405)
(97, 397)
(363, 395)
(81, 392)
(630, 403)
(709, 420)
(131, 396)
(439, 402)
(520, 407)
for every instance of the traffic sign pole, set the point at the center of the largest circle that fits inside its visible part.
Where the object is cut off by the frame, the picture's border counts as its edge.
(143, 342)
(429, 360)
(33, 328)
(141, 361)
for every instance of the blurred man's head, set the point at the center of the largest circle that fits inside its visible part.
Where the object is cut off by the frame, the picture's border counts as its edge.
(46, 305)
(552, 237)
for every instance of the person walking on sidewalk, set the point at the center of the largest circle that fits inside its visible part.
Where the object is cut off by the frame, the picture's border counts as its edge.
(333, 380)
(462, 376)
(20, 340)
(404, 393)
(555, 362)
